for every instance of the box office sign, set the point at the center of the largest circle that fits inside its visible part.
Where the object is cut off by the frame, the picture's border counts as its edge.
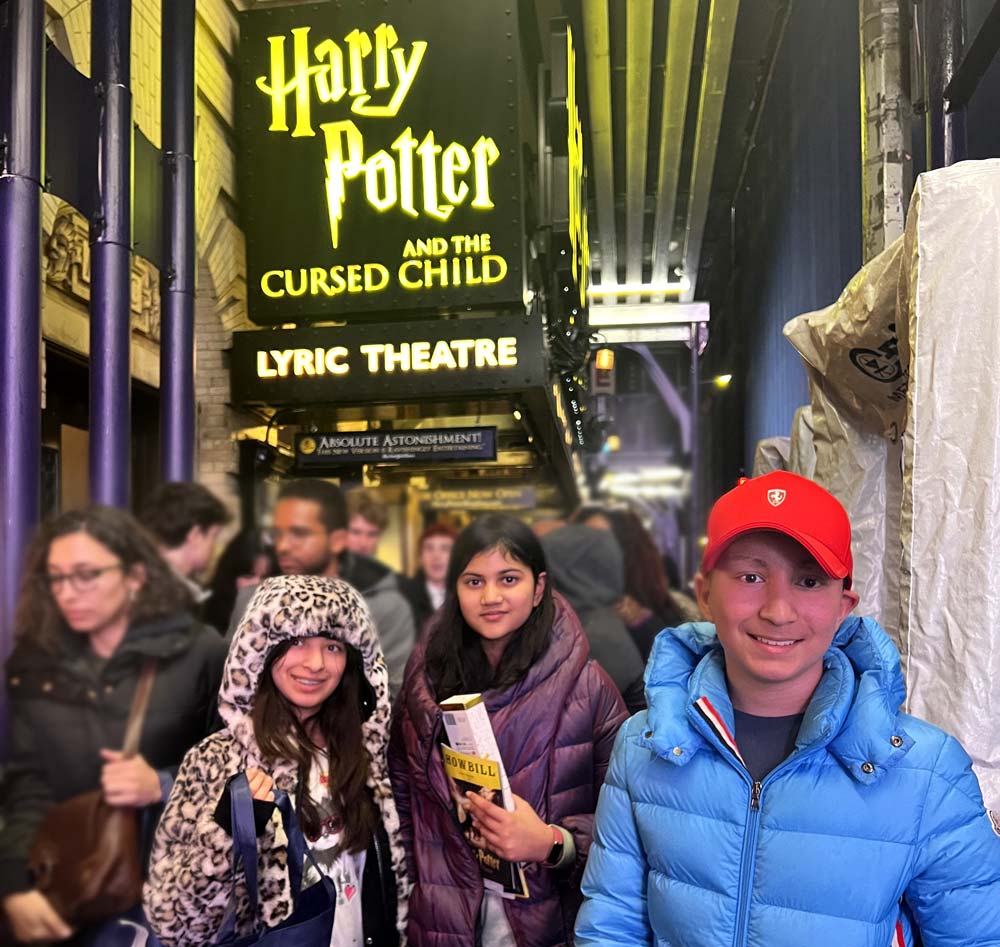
(387, 362)
(376, 447)
(379, 158)
(472, 499)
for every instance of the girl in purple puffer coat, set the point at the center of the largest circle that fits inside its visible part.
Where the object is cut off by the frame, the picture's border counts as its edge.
(501, 632)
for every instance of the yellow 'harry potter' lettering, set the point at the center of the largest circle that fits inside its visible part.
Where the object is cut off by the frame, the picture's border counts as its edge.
(333, 78)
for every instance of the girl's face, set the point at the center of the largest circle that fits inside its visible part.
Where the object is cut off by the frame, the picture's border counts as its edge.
(89, 583)
(434, 554)
(309, 672)
(496, 594)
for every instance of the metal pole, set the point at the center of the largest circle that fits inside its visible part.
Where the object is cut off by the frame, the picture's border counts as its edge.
(20, 299)
(177, 283)
(695, 524)
(886, 122)
(946, 140)
(111, 237)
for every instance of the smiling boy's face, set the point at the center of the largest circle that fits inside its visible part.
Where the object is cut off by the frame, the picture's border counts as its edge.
(775, 611)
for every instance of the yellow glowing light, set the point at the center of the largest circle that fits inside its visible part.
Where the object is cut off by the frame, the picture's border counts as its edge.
(613, 443)
(517, 415)
(604, 360)
(579, 233)
(722, 381)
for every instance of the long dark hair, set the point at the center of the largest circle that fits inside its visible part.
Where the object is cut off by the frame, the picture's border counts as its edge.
(38, 618)
(645, 578)
(455, 658)
(238, 559)
(280, 735)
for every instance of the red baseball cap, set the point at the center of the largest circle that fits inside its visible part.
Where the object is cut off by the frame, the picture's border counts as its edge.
(789, 504)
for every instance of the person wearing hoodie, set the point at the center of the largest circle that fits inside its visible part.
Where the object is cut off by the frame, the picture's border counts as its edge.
(309, 529)
(97, 603)
(587, 567)
(305, 701)
(774, 793)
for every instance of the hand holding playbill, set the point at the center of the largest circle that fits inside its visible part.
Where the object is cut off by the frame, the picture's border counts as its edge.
(518, 836)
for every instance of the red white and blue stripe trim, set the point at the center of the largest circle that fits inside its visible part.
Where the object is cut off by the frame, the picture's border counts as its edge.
(714, 719)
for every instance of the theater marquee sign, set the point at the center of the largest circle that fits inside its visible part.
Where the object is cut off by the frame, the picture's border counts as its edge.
(379, 158)
(388, 362)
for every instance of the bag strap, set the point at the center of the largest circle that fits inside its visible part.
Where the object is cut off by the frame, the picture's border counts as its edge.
(244, 835)
(137, 712)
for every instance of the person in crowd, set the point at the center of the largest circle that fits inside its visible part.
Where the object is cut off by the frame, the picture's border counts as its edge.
(309, 530)
(185, 520)
(587, 567)
(367, 518)
(305, 700)
(426, 590)
(649, 604)
(502, 633)
(97, 602)
(774, 792)
(246, 561)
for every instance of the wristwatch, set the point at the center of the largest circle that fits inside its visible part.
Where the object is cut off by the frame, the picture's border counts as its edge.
(556, 852)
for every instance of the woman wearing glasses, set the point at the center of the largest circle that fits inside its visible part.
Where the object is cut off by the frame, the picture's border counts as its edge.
(97, 603)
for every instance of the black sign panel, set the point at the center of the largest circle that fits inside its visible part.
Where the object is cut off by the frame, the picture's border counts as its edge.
(375, 447)
(390, 363)
(380, 164)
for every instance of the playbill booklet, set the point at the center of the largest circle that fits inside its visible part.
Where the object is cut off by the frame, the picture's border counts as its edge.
(472, 764)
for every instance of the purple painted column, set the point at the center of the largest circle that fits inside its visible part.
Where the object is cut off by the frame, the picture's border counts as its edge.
(177, 412)
(110, 260)
(20, 300)
(20, 307)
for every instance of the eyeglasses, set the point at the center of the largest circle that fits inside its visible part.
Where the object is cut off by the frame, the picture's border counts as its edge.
(80, 580)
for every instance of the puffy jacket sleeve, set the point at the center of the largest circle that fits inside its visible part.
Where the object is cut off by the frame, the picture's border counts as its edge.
(190, 877)
(614, 884)
(608, 713)
(955, 892)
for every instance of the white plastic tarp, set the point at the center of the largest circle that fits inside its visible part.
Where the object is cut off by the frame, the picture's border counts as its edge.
(950, 529)
(771, 454)
(857, 383)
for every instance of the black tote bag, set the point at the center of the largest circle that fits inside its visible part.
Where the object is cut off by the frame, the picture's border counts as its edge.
(311, 922)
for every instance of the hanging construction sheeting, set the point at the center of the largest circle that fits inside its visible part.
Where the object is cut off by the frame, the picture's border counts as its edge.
(951, 469)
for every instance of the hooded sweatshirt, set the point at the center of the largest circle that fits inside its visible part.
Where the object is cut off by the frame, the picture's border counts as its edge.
(587, 567)
(185, 907)
(390, 611)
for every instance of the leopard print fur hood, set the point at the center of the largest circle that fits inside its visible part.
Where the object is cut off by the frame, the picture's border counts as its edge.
(189, 884)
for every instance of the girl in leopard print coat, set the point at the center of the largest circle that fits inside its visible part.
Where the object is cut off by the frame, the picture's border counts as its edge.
(305, 700)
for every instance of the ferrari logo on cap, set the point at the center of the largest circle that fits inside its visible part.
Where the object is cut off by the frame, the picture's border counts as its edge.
(776, 497)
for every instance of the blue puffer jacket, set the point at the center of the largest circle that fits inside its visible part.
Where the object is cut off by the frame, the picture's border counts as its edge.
(873, 806)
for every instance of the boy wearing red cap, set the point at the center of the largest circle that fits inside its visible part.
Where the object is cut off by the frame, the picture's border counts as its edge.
(773, 793)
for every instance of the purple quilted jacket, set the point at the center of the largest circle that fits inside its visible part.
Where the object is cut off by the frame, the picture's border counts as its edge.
(555, 730)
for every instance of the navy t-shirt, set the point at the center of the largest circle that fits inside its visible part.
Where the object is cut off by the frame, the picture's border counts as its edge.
(765, 742)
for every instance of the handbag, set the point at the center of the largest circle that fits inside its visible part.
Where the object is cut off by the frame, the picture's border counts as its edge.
(311, 922)
(86, 855)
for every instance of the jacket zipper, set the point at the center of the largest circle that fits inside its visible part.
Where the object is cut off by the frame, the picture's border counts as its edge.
(746, 864)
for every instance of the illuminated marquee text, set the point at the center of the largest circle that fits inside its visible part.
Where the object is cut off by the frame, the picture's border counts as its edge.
(388, 357)
(417, 174)
(578, 227)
